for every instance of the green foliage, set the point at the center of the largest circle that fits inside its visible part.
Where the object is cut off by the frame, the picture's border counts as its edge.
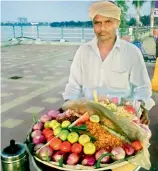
(145, 20)
(124, 8)
(137, 3)
(132, 22)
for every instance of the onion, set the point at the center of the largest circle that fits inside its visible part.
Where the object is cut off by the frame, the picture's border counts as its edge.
(100, 153)
(38, 146)
(45, 118)
(36, 133)
(38, 139)
(73, 159)
(118, 153)
(128, 149)
(53, 113)
(38, 126)
(88, 161)
(58, 155)
(147, 130)
(45, 152)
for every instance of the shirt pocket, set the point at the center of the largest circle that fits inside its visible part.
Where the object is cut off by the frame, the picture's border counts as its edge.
(119, 79)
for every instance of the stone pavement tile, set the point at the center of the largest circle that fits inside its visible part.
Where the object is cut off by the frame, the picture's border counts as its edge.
(27, 71)
(48, 78)
(60, 92)
(11, 123)
(34, 109)
(20, 88)
(51, 100)
(30, 76)
(58, 73)
(6, 94)
(18, 133)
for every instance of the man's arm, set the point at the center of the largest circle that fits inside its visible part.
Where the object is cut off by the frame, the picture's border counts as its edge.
(74, 85)
(140, 81)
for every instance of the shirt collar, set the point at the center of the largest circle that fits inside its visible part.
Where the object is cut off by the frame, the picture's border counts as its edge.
(94, 41)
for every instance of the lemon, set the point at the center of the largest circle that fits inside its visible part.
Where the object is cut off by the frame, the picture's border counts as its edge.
(89, 148)
(94, 118)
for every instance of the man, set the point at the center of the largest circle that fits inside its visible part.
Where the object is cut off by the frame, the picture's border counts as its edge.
(108, 64)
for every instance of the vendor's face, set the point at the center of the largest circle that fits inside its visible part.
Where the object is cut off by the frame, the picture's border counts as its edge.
(105, 27)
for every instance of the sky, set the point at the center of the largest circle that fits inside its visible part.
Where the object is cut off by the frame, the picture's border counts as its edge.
(51, 11)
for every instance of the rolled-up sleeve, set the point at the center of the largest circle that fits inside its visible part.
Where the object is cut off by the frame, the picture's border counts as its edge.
(140, 81)
(74, 85)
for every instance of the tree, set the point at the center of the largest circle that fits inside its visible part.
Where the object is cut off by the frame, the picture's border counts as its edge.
(152, 17)
(138, 4)
(145, 20)
(132, 22)
(124, 8)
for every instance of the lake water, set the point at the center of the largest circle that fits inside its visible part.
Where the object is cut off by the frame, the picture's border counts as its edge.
(47, 33)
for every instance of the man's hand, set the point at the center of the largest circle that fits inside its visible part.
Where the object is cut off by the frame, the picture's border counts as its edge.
(144, 119)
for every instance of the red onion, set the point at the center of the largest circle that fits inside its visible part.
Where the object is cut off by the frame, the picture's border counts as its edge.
(73, 158)
(88, 161)
(100, 153)
(38, 139)
(45, 118)
(118, 153)
(128, 149)
(53, 113)
(38, 146)
(38, 126)
(58, 155)
(147, 130)
(36, 133)
(44, 152)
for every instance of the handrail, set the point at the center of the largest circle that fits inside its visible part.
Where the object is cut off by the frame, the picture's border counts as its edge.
(83, 33)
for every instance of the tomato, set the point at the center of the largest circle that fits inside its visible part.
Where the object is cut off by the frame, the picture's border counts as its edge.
(49, 138)
(65, 147)
(49, 133)
(76, 148)
(55, 143)
(137, 145)
(130, 109)
(45, 130)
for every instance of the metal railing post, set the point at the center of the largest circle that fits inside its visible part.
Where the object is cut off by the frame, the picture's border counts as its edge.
(22, 34)
(82, 40)
(82, 33)
(14, 31)
(37, 29)
(37, 32)
(62, 35)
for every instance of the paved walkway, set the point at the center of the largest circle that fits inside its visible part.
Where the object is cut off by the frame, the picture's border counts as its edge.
(44, 70)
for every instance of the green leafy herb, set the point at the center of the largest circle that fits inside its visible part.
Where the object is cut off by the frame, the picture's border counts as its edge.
(100, 158)
(34, 118)
(47, 157)
(61, 161)
(79, 128)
